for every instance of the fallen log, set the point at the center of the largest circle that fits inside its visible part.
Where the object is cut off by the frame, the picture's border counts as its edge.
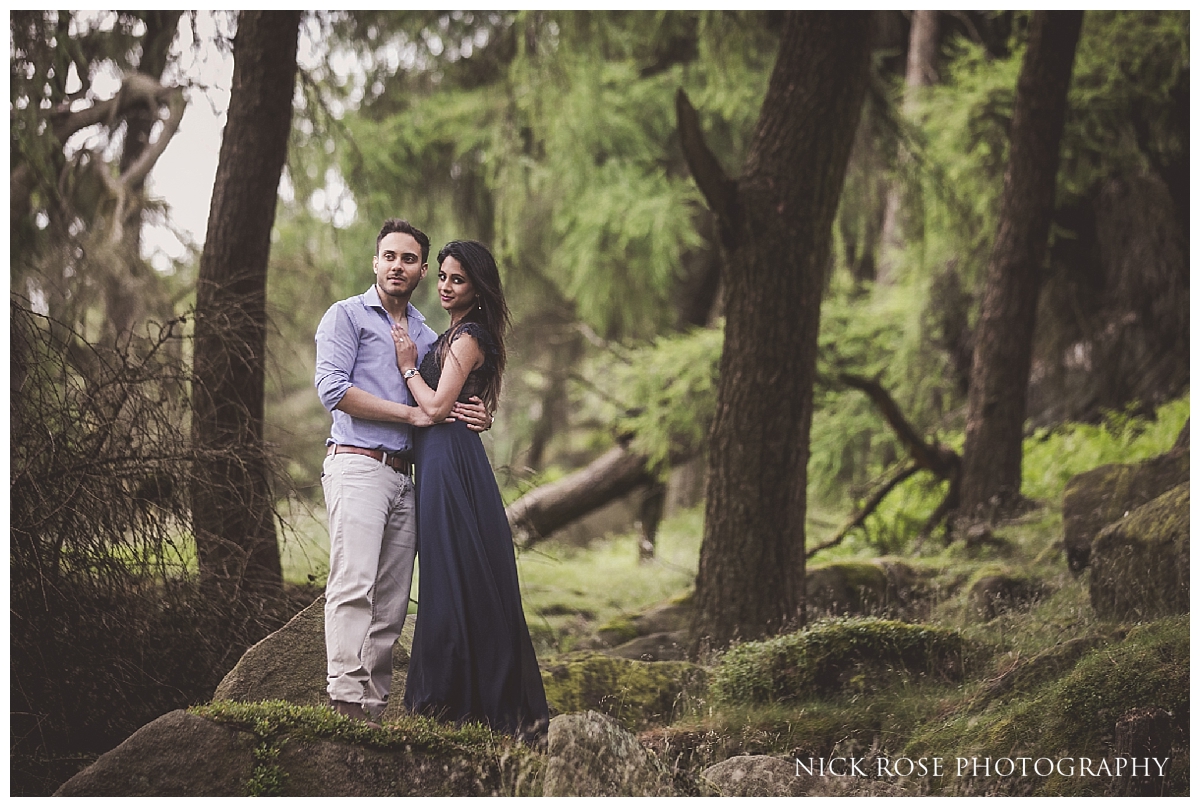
(547, 509)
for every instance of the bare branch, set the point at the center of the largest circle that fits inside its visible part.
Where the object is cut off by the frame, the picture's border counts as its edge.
(942, 461)
(136, 173)
(869, 507)
(718, 189)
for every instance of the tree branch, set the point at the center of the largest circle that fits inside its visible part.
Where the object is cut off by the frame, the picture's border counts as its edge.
(869, 507)
(137, 89)
(176, 104)
(720, 192)
(941, 461)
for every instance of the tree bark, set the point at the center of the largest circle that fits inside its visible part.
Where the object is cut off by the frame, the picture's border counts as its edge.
(232, 506)
(775, 224)
(991, 475)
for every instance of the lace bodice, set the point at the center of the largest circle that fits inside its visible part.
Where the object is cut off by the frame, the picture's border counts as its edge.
(431, 368)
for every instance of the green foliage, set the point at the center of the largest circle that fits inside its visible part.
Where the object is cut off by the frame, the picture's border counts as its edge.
(878, 334)
(963, 130)
(1053, 456)
(1128, 94)
(833, 654)
(266, 777)
(667, 393)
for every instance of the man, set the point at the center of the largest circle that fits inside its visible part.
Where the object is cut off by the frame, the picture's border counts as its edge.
(367, 473)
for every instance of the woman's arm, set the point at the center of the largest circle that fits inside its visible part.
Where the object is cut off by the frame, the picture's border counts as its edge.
(358, 403)
(463, 356)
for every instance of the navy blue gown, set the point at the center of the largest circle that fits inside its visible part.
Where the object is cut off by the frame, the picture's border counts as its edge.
(472, 658)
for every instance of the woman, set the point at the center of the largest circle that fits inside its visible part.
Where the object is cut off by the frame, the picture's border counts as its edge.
(472, 658)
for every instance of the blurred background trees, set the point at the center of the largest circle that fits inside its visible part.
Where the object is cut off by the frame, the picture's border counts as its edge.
(552, 136)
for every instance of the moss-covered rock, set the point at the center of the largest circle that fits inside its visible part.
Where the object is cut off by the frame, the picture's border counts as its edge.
(636, 693)
(305, 751)
(1140, 565)
(278, 749)
(838, 655)
(617, 631)
(878, 587)
(289, 665)
(1101, 496)
(1072, 715)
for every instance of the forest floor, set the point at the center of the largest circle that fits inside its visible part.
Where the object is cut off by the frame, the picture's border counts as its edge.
(1045, 673)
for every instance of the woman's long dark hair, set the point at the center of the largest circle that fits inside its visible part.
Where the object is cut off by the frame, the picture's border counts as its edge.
(490, 310)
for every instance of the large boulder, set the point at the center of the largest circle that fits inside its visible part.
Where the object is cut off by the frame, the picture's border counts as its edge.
(227, 749)
(590, 754)
(636, 693)
(1140, 565)
(289, 665)
(332, 768)
(1101, 496)
(178, 754)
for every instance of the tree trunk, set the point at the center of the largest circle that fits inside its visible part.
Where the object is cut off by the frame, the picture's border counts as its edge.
(126, 285)
(920, 71)
(232, 506)
(775, 223)
(650, 513)
(1004, 337)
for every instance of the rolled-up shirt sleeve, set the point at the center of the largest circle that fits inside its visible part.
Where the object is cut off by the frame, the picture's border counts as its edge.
(337, 349)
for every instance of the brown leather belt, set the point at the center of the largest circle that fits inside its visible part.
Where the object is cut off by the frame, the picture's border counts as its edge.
(398, 462)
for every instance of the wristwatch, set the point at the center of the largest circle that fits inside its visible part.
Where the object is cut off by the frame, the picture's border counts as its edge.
(410, 373)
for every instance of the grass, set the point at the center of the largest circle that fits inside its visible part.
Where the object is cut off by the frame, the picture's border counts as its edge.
(570, 591)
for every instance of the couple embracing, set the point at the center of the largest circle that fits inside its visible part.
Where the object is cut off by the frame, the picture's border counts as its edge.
(402, 396)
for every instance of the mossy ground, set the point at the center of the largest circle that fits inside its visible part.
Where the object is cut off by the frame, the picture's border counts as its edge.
(636, 694)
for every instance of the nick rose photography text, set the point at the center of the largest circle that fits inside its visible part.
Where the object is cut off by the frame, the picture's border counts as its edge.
(882, 767)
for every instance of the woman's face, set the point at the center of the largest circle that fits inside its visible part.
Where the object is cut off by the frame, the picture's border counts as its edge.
(455, 290)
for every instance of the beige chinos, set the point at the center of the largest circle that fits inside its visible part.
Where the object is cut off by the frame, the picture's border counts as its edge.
(373, 541)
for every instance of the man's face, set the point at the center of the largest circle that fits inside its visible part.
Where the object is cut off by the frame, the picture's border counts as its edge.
(398, 267)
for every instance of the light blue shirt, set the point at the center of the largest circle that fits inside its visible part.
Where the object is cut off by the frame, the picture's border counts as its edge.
(355, 349)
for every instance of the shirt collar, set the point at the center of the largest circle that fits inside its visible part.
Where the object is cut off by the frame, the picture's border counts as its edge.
(371, 298)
